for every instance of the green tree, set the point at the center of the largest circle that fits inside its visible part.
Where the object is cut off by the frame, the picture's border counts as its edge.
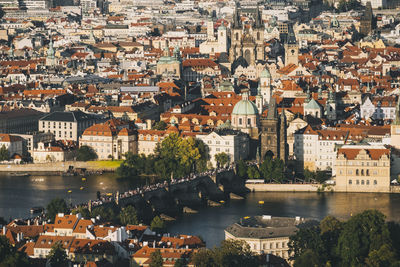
(278, 172)
(157, 225)
(128, 215)
(56, 205)
(83, 211)
(86, 153)
(241, 169)
(203, 258)
(267, 169)
(106, 214)
(253, 173)
(307, 239)
(180, 263)
(9, 256)
(222, 159)
(309, 175)
(161, 125)
(307, 259)
(234, 253)
(132, 166)
(362, 234)
(156, 259)
(57, 256)
(384, 256)
(4, 154)
(330, 230)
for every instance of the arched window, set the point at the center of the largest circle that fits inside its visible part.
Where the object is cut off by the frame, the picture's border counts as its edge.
(237, 36)
(258, 36)
(357, 172)
(367, 172)
(362, 172)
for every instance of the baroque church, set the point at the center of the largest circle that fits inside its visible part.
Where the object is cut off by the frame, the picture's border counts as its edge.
(247, 38)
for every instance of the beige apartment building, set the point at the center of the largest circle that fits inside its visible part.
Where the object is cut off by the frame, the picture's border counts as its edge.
(108, 141)
(363, 169)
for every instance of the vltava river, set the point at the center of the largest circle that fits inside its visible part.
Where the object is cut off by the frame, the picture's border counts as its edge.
(19, 194)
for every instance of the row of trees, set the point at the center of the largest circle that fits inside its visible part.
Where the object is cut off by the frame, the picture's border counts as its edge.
(272, 169)
(364, 240)
(174, 156)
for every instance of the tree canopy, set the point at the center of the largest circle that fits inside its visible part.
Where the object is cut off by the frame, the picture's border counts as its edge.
(222, 159)
(156, 259)
(128, 215)
(57, 256)
(231, 253)
(55, 206)
(4, 154)
(157, 225)
(9, 256)
(86, 153)
(174, 156)
(364, 240)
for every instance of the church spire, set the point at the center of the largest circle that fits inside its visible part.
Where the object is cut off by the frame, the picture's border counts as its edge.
(236, 22)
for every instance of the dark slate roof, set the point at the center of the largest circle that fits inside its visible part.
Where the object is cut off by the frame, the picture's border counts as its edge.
(67, 116)
(262, 228)
(19, 113)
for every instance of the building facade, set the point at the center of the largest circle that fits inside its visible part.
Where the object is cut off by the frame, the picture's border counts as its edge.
(110, 142)
(247, 42)
(67, 126)
(233, 143)
(363, 169)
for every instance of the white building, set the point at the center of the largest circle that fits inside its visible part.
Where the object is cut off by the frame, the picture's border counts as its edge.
(215, 45)
(66, 125)
(316, 149)
(234, 143)
(379, 108)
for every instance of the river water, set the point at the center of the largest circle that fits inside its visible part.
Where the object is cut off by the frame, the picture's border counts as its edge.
(19, 194)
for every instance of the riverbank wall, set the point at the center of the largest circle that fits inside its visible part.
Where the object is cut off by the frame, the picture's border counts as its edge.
(283, 187)
(310, 188)
(56, 167)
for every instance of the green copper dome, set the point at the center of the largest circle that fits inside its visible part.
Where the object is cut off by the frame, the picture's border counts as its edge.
(245, 107)
(265, 74)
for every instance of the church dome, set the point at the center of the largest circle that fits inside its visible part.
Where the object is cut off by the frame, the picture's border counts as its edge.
(245, 107)
(265, 74)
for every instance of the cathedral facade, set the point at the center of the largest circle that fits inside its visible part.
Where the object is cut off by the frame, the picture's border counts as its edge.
(247, 38)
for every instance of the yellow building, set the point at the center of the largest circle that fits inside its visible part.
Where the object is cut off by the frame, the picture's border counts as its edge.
(363, 169)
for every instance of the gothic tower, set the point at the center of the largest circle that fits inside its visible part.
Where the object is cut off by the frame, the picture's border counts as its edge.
(330, 106)
(291, 49)
(269, 131)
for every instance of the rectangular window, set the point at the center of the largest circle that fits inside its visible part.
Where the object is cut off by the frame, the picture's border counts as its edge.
(248, 121)
(350, 181)
(240, 121)
(375, 182)
(357, 182)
